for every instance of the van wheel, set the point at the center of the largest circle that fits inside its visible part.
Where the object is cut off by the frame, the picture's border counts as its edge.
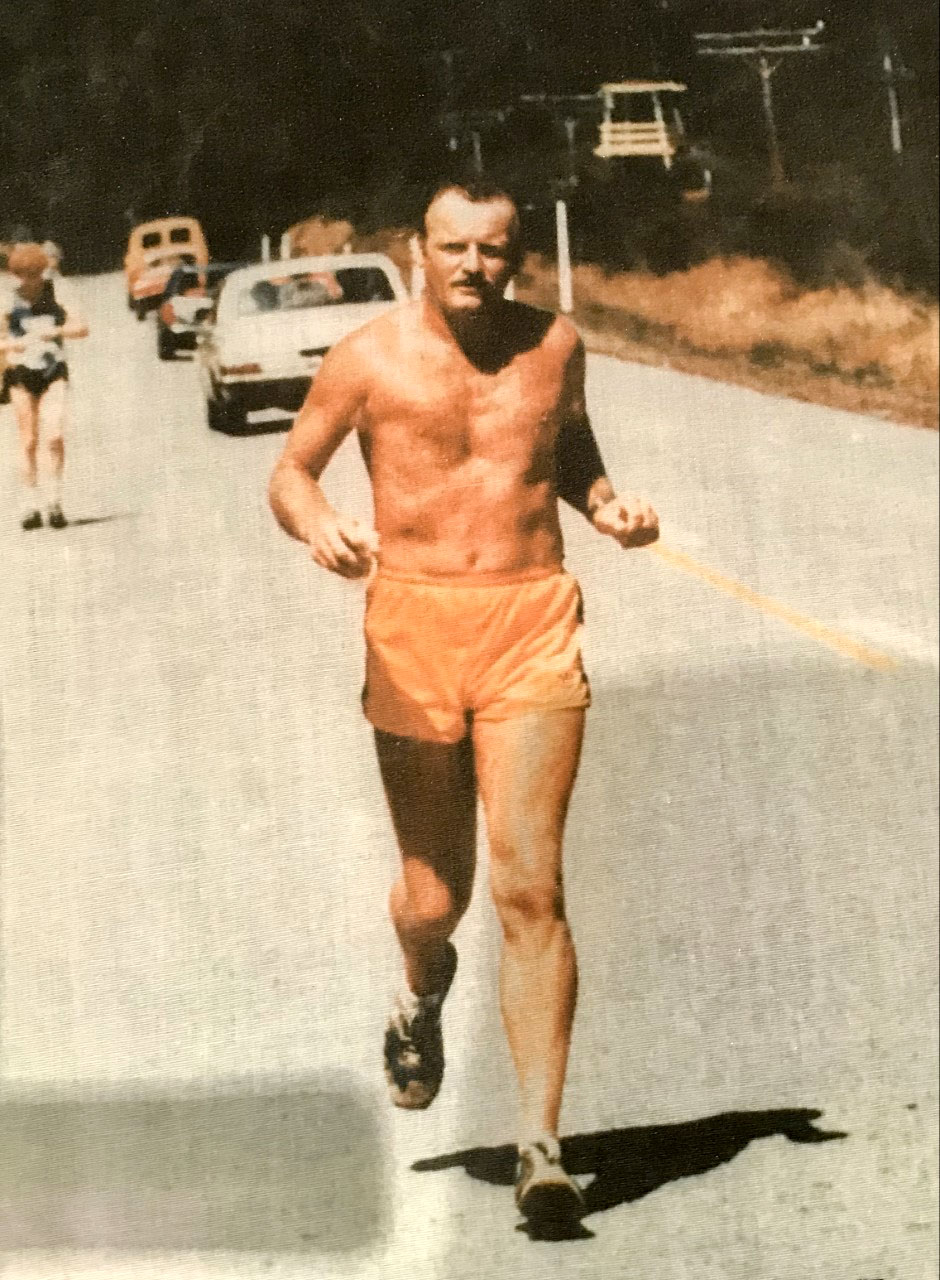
(140, 310)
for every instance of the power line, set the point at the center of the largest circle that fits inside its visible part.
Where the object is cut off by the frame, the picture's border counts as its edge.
(764, 49)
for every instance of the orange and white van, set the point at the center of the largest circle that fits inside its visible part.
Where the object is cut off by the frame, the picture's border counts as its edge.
(154, 249)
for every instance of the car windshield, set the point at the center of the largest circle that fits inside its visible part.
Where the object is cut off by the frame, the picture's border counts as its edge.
(303, 289)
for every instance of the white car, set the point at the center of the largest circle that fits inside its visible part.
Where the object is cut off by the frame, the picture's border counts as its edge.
(274, 323)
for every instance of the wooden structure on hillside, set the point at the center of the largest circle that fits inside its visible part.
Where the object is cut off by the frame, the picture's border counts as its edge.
(622, 134)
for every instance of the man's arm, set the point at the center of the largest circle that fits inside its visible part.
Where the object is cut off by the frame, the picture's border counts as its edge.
(581, 477)
(333, 404)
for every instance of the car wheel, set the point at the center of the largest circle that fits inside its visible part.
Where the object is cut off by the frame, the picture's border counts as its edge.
(225, 413)
(166, 343)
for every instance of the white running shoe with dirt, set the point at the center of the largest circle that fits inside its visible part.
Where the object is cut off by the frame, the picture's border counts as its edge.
(414, 1044)
(546, 1196)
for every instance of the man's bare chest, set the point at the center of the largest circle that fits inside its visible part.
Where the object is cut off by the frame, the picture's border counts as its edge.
(458, 412)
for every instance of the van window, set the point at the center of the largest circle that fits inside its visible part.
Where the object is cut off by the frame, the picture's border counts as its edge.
(179, 235)
(150, 239)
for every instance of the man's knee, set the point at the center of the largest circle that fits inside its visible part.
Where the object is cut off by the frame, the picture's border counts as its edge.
(524, 905)
(427, 904)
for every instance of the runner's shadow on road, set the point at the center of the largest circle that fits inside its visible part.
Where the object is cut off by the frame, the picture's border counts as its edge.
(81, 521)
(628, 1164)
(252, 1167)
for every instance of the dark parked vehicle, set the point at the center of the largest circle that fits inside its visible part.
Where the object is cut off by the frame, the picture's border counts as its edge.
(186, 305)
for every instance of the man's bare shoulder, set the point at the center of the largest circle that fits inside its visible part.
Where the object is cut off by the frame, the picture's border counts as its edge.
(552, 334)
(381, 338)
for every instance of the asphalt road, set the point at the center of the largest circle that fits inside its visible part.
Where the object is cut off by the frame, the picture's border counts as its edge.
(196, 959)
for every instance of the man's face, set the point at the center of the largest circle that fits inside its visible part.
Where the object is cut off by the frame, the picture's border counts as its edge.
(469, 252)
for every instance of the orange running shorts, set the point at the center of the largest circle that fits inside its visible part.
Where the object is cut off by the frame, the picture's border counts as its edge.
(440, 651)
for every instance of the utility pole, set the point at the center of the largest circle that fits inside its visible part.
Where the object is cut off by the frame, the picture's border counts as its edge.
(897, 141)
(462, 126)
(477, 151)
(566, 109)
(571, 127)
(565, 289)
(891, 74)
(449, 117)
(764, 50)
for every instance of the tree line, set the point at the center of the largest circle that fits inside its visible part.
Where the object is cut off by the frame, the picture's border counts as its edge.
(256, 114)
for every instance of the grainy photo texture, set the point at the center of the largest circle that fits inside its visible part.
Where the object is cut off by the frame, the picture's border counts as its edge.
(469, 640)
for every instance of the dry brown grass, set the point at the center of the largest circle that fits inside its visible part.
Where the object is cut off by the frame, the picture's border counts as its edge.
(869, 350)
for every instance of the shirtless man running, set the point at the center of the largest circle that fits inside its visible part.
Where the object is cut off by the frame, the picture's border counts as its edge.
(471, 417)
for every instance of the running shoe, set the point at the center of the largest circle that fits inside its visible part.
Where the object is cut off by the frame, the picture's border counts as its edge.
(57, 519)
(550, 1200)
(414, 1045)
(32, 520)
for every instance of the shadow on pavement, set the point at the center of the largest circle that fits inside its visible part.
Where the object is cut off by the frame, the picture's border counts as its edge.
(81, 521)
(264, 427)
(628, 1164)
(295, 1170)
(267, 426)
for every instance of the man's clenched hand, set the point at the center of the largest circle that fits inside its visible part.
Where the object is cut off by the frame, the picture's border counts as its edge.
(343, 545)
(630, 521)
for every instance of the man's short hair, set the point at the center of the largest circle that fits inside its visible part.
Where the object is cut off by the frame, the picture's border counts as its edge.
(25, 258)
(478, 189)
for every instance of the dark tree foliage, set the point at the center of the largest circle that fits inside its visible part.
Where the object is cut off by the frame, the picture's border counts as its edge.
(256, 114)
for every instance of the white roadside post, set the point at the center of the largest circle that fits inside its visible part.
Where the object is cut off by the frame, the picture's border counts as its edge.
(284, 246)
(565, 294)
(477, 151)
(417, 268)
(265, 248)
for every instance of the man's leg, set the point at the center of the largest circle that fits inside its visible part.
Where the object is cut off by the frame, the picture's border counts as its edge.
(526, 769)
(431, 792)
(52, 411)
(432, 796)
